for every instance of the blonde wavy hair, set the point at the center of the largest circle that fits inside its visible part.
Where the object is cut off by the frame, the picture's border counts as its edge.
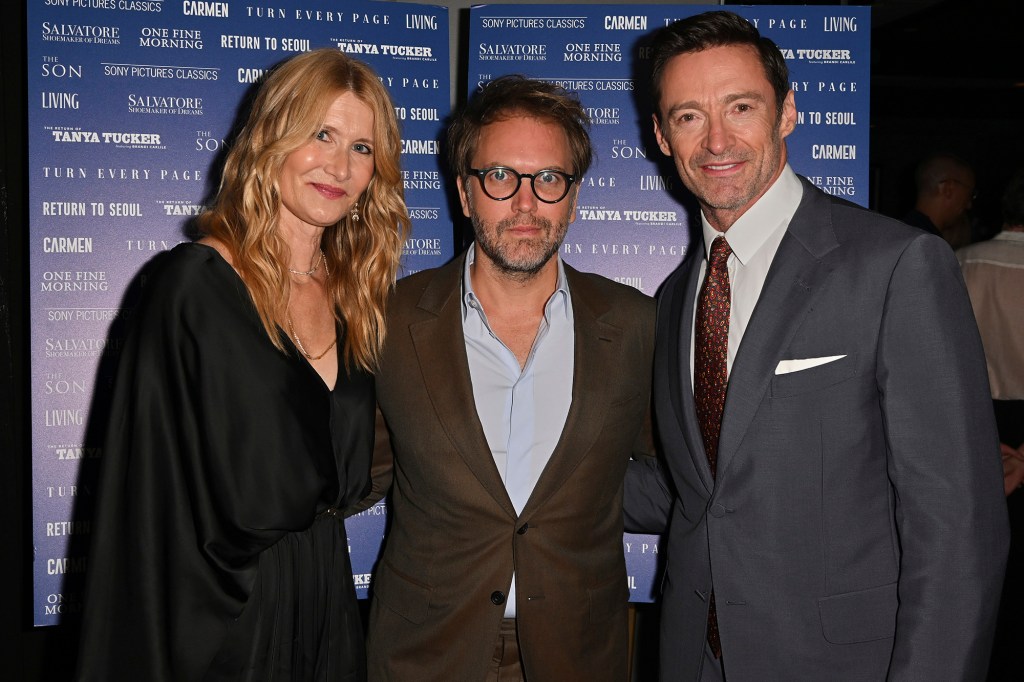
(362, 257)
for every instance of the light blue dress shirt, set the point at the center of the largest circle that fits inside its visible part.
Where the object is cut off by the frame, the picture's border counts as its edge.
(522, 410)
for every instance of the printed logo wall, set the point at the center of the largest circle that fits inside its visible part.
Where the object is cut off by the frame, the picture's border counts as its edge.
(130, 105)
(131, 102)
(632, 223)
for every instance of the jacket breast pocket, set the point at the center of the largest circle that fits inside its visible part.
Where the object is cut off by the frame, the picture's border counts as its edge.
(862, 616)
(814, 378)
(406, 597)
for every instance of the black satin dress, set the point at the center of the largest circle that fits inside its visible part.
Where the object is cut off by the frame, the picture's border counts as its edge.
(219, 551)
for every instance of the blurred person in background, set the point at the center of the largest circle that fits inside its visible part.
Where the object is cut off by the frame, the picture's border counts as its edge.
(994, 273)
(945, 192)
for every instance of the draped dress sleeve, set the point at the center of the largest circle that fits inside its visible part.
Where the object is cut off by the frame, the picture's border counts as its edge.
(217, 552)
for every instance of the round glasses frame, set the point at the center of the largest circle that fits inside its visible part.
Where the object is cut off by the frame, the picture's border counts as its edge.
(482, 173)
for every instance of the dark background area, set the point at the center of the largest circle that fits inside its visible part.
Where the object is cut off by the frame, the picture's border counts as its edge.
(946, 75)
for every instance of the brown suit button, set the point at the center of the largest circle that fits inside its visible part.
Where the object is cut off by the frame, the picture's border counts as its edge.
(497, 598)
(523, 528)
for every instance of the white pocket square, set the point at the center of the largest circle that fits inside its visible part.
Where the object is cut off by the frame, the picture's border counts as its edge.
(788, 366)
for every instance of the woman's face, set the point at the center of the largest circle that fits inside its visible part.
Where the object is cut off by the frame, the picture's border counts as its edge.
(321, 180)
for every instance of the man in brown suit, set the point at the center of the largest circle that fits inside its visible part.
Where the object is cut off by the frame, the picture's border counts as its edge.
(514, 390)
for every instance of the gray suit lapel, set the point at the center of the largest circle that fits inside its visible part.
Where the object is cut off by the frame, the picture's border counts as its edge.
(797, 274)
(680, 378)
(441, 353)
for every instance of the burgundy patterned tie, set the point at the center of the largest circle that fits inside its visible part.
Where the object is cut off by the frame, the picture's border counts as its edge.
(710, 372)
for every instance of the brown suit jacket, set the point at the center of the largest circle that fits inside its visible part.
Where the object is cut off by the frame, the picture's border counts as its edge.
(455, 538)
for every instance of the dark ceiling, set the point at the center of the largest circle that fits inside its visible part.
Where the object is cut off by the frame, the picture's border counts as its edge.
(948, 58)
(946, 75)
(941, 58)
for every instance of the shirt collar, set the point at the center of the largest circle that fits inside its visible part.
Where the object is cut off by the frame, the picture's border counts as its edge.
(751, 230)
(470, 301)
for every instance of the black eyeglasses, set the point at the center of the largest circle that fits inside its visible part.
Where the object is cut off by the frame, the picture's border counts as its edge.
(501, 183)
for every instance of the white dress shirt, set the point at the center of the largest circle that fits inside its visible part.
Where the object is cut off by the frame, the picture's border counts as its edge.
(754, 238)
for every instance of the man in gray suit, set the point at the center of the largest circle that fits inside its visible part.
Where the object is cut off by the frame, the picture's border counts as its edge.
(831, 483)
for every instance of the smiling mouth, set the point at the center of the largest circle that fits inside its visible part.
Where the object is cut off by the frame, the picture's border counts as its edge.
(717, 168)
(329, 191)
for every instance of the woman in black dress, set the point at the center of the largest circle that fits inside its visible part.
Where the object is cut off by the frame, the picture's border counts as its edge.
(243, 410)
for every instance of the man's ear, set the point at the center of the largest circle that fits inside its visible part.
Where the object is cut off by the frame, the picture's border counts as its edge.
(463, 198)
(662, 144)
(787, 119)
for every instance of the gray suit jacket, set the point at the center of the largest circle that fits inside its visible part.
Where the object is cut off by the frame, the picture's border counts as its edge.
(857, 528)
(455, 537)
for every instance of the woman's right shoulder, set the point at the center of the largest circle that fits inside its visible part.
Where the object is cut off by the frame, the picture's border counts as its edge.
(220, 247)
(185, 257)
(188, 268)
(190, 283)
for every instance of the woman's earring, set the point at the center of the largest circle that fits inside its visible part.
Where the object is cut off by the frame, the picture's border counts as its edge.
(354, 215)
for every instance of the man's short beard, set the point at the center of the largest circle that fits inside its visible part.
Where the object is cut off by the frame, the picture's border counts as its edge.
(519, 268)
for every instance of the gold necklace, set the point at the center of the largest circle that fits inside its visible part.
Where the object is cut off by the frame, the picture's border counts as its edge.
(312, 271)
(288, 317)
(302, 349)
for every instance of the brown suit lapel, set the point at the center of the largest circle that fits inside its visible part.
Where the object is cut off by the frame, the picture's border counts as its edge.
(598, 351)
(441, 354)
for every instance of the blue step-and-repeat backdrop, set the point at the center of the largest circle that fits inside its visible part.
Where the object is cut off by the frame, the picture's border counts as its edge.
(632, 224)
(130, 104)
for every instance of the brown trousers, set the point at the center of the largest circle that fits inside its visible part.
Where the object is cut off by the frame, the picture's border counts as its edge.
(506, 665)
